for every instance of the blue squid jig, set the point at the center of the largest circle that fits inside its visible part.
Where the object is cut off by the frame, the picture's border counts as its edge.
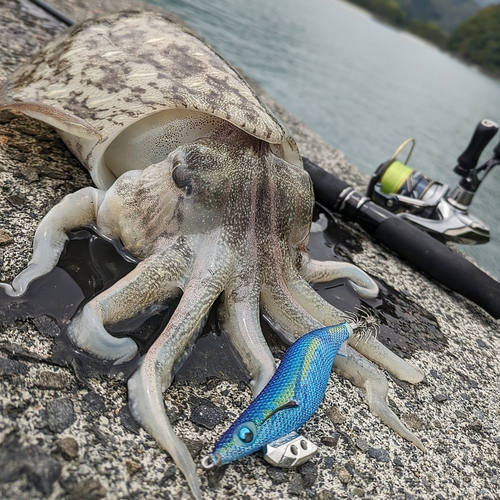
(290, 398)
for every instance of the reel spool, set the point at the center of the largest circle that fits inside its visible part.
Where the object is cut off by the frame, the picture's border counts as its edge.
(425, 203)
(399, 188)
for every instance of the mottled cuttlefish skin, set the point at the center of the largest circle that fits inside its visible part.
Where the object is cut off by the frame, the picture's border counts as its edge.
(104, 75)
(290, 398)
(205, 187)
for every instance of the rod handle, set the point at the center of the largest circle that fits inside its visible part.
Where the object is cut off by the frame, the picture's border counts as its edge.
(485, 131)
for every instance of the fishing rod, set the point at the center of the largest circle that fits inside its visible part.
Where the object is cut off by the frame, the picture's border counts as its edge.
(408, 241)
(429, 204)
(54, 12)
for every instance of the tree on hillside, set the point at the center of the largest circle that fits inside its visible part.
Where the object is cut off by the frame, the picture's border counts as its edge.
(484, 3)
(389, 10)
(478, 39)
(448, 14)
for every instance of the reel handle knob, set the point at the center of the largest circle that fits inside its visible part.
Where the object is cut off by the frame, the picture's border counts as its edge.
(483, 134)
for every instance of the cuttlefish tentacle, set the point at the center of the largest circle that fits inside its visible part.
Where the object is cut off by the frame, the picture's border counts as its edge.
(153, 281)
(374, 350)
(370, 347)
(147, 407)
(287, 317)
(156, 369)
(87, 332)
(75, 210)
(284, 300)
(363, 374)
(310, 300)
(318, 271)
(240, 316)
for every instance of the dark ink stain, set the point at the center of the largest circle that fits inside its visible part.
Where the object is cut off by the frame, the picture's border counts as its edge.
(405, 327)
(90, 265)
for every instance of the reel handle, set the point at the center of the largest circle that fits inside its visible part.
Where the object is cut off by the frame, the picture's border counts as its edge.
(483, 134)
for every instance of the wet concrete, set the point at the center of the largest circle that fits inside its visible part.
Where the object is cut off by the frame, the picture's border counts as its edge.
(90, 264)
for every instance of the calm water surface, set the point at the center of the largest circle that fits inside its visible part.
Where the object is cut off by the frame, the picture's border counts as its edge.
(362, 85)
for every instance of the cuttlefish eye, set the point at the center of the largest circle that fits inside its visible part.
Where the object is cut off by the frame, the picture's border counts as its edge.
(181, 178)
(246, 433)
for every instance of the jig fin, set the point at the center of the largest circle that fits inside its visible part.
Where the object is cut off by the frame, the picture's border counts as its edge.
(286, 406)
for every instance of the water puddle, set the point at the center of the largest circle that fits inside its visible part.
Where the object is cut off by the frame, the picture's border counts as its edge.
(90, 264)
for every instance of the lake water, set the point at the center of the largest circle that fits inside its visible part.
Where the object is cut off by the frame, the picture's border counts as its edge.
(362, 85)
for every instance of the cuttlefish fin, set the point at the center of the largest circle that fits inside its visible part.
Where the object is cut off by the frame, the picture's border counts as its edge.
(286, 406)
(58, 118)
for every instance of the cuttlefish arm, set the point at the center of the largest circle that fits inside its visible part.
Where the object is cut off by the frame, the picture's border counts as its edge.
(240, 318)
(155, 373)
(154, 281)
(318, 271)
(75, 210)
(293, 308)
(369, 347)
(366, 376)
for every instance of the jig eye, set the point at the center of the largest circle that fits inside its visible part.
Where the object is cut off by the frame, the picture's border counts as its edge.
(246, 433)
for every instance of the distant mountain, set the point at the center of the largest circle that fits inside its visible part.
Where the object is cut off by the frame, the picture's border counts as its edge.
(447, 14)
(468, 28)
(477, 40)
(464, 27)
(485, 3)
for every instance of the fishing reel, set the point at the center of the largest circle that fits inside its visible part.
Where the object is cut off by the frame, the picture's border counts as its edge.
(429, 204)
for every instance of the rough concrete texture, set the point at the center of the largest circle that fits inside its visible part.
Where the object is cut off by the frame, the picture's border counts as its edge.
(61, 438)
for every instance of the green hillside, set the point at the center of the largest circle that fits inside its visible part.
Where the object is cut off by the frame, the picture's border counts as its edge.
(393, 13)
(460, 26)
(477, 40)
(447, 14)
(443, 14)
